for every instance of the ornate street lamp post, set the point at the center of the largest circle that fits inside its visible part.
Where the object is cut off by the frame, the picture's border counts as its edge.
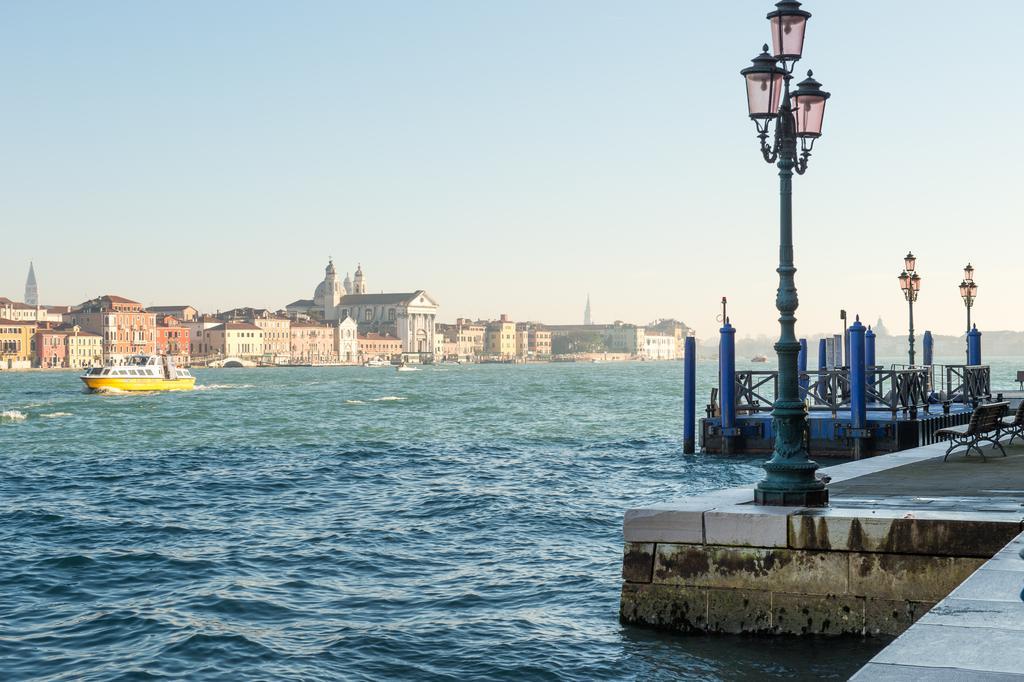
(968, 292)
(789, 474)
(910, 283)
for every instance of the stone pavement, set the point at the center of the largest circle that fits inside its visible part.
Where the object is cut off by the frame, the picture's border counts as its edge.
(976, 633)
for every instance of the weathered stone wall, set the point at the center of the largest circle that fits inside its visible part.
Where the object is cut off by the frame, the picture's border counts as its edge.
(736, 568)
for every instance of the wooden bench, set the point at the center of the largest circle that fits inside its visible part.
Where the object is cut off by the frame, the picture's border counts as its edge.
(1013, 425)
(984, 427)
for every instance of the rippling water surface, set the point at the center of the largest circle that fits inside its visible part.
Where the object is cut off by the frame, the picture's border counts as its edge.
(352, 523)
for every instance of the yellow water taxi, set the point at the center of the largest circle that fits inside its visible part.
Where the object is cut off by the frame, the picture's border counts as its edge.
(140, 373)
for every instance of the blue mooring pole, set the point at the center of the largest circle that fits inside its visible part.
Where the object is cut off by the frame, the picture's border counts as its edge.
(869, 356)
(689, 395)
(974, 346)
(801, 366)
(727, 387)
(858, 395)
(822, 367)
(929, 345)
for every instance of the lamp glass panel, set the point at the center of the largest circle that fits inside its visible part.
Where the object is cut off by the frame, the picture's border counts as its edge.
(810, 111)
(909, 262)
(904, 281)
(763, 92)
(916, 281)
(788, 36)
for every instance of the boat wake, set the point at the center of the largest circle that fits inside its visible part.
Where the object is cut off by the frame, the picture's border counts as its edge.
(387, 398)
(54, 415)
(220, 387)
(12, 416)
(355, 402)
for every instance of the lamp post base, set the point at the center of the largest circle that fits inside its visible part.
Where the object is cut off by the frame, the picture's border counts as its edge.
(791, 498)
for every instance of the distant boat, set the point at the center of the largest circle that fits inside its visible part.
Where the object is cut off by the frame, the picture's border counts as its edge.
(759, 358)
(376, 362)
(407, 368)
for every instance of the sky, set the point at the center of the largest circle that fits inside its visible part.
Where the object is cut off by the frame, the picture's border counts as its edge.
(507, 157)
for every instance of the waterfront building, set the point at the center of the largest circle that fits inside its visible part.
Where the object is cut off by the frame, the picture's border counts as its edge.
(173, 338)
(83, 348)
(346, 341)
(199, 342)
(182, 313)
(500, 338)
(468, 337)
(312, 342)
(540, 342)
(51, 348)
(31, 290)
(277, 338)
(243, 340)
(125, 327)
(409, 316)
(16, 348)
(533, 341)
(618, 337)
(376, 346)
(673, 328)
(659, 346)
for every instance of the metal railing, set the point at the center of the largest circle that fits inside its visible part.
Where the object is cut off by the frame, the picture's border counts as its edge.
(901, 387)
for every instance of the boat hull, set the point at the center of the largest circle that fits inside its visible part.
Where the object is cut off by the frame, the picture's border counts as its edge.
(138, 383)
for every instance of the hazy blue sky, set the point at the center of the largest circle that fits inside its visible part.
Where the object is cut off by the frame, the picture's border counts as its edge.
(507, 156)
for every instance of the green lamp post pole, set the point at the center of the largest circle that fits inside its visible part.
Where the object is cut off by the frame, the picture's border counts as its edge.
(790, 473)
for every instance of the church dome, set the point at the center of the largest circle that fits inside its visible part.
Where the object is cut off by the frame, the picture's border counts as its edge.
(320, 295)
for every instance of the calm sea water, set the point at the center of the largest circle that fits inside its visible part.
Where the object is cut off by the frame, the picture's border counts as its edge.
(353, 523)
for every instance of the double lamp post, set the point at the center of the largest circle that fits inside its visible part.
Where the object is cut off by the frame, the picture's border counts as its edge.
(786, 117)
(910, 284)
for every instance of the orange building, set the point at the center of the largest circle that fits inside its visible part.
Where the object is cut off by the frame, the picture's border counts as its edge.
(174, 339)
(125, 327)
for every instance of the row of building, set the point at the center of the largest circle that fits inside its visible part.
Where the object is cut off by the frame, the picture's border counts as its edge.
(341, 324)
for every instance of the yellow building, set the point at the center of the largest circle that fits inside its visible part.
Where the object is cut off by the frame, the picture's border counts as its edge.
(500, 338)
(84, 349)
(16, 348)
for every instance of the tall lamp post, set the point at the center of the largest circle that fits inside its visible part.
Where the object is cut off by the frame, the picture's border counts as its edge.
(796, 116)
(910, 283)
(968, 292)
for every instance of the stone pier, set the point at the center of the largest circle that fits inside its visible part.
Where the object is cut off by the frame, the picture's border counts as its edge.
(903, 530)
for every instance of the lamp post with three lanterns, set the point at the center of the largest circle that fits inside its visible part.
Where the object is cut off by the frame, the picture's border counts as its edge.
(796, 116)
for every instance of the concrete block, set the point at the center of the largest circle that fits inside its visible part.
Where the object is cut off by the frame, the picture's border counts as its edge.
(981, 650)
(638, 562)
(904, 577)
(991, 585)
(892, 617)
(1005, 615)
(739, 611)
(681, 521)
(895, 531)
(748, 526)
(672, 607)
(809, 614)
(751, 568)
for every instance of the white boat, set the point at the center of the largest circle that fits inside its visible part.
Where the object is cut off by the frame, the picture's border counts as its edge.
(407, 368)
(376, 362)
